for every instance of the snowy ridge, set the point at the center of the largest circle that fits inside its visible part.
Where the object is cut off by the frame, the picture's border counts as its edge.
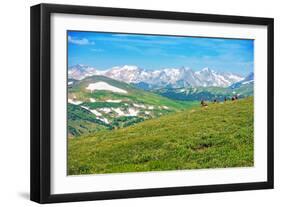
(105, 87)
(167, 77)
(247, 80)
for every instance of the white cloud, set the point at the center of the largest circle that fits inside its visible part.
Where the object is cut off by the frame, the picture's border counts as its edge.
(83, 41)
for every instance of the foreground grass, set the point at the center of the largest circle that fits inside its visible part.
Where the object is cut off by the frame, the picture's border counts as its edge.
(218, 136)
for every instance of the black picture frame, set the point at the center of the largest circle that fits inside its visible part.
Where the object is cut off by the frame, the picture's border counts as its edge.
(41, 99)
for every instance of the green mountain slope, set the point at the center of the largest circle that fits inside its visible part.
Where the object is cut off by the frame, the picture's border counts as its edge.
(206, 93)
(98, 110)
(217, 136)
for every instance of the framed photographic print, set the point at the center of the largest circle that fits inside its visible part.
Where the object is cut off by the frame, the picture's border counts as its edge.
(133, 103)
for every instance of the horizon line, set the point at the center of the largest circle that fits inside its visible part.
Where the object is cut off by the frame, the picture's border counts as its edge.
(162, 68)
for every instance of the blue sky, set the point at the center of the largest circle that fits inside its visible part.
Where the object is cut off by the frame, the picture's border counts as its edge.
(105, 50)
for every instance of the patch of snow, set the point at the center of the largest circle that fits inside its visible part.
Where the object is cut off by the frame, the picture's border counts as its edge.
(85, 107)
(206, 69)
(70, 83)
(104, 86)
(235, 78)
(150, 107)
(105, 110)
(165, 107)
(119, 111)
(132, 112)
(221, 80)
(113, 101)
(92, 111)
(96, 112)
(74, 101)
(92, 100)
(139, 105)
(105, 120)
(247, 82)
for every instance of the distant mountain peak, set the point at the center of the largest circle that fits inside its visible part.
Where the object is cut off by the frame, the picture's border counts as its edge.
(166, 77)
(127, 67)
(131, 67)
(250, 76)
(206, 69)
(249, 79)
(80, 66)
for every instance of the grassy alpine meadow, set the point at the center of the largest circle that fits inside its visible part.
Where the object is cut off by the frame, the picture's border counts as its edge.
(217, 136)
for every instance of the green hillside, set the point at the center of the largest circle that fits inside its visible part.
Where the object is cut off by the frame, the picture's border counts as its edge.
(206, 93)
(134, 94)
(217, 136)
(99, 110)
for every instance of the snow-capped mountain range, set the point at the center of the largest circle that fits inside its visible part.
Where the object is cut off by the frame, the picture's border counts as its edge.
(167, 77)
(247, 80)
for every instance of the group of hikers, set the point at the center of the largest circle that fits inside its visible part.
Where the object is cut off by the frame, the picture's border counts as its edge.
(204, 103)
